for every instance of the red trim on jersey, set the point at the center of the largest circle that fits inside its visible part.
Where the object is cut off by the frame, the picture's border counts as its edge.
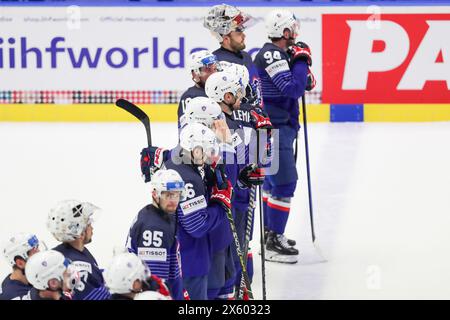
(275, 206)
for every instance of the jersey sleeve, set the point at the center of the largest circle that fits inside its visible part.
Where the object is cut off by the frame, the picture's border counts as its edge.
(290, 82)
(131, 243)
(195, 214)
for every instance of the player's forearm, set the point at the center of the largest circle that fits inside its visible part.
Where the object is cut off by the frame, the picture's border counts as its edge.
(296, 87)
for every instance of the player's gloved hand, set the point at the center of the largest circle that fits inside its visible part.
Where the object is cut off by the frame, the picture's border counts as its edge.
(251, 175)
(222, 196)
(300, 52)
(154, 283)
(222, 189)
(310, 81)
(260, 119)
(152, 159)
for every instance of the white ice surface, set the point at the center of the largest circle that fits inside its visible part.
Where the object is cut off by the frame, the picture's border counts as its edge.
(381, 195)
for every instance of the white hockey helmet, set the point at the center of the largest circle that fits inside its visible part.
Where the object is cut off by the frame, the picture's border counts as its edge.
(200, 59)
(202, 110)
(198, 135)
(18, 246)
(69, 218)
(222, 82)
(151, 295)
(223, 19)
(123, 271)
(278, 20)
(167, 180)
(45, 266)
(239, 69)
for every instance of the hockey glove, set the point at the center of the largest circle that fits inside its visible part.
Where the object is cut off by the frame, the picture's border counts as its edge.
(152, 159)
(300, 52)
(251, 175)
(222, 196)
(222, 189)
(154, 283)
(310, 81)
(260, 119)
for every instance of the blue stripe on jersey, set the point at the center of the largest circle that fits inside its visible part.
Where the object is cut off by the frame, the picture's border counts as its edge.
(193, 221)
(100, 293)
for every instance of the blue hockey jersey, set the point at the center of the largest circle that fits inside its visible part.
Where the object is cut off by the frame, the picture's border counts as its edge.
(92, 286)
(13, 289)
(190, 93)
(242, 116)
(196, 217)
(281, 84)
(152, 237)
(242, 58)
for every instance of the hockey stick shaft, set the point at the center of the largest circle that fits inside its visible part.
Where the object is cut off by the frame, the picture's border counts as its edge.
(249, 227)
(305, 130)
(248, 233)
(261, 227)
(245, 276)
(139, 114)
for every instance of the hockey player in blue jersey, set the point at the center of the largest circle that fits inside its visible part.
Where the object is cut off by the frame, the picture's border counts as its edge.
(16, 250)
(227, 89)
(196, 110)
(70, 222)
(283, 66)
(152, 236)
(204, 207)
(201, 65)
(128, 276)
(51, 275)
(228, 24)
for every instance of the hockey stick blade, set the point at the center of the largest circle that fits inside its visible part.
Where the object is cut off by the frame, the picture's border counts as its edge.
(139, 114)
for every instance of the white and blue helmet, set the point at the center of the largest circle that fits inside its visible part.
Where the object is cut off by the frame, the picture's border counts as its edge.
(200, 59)
(45, 266)
(167, 180)
(222, 82)
(202, 110)
(123, 271)
(19, 245)
(198, 135)
(278, 20)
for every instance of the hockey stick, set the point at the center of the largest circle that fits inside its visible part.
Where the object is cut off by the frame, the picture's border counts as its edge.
(311, 215)
(245, 279)
(248, 233)
(139, 114)
(248, 229)
(261, 229)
